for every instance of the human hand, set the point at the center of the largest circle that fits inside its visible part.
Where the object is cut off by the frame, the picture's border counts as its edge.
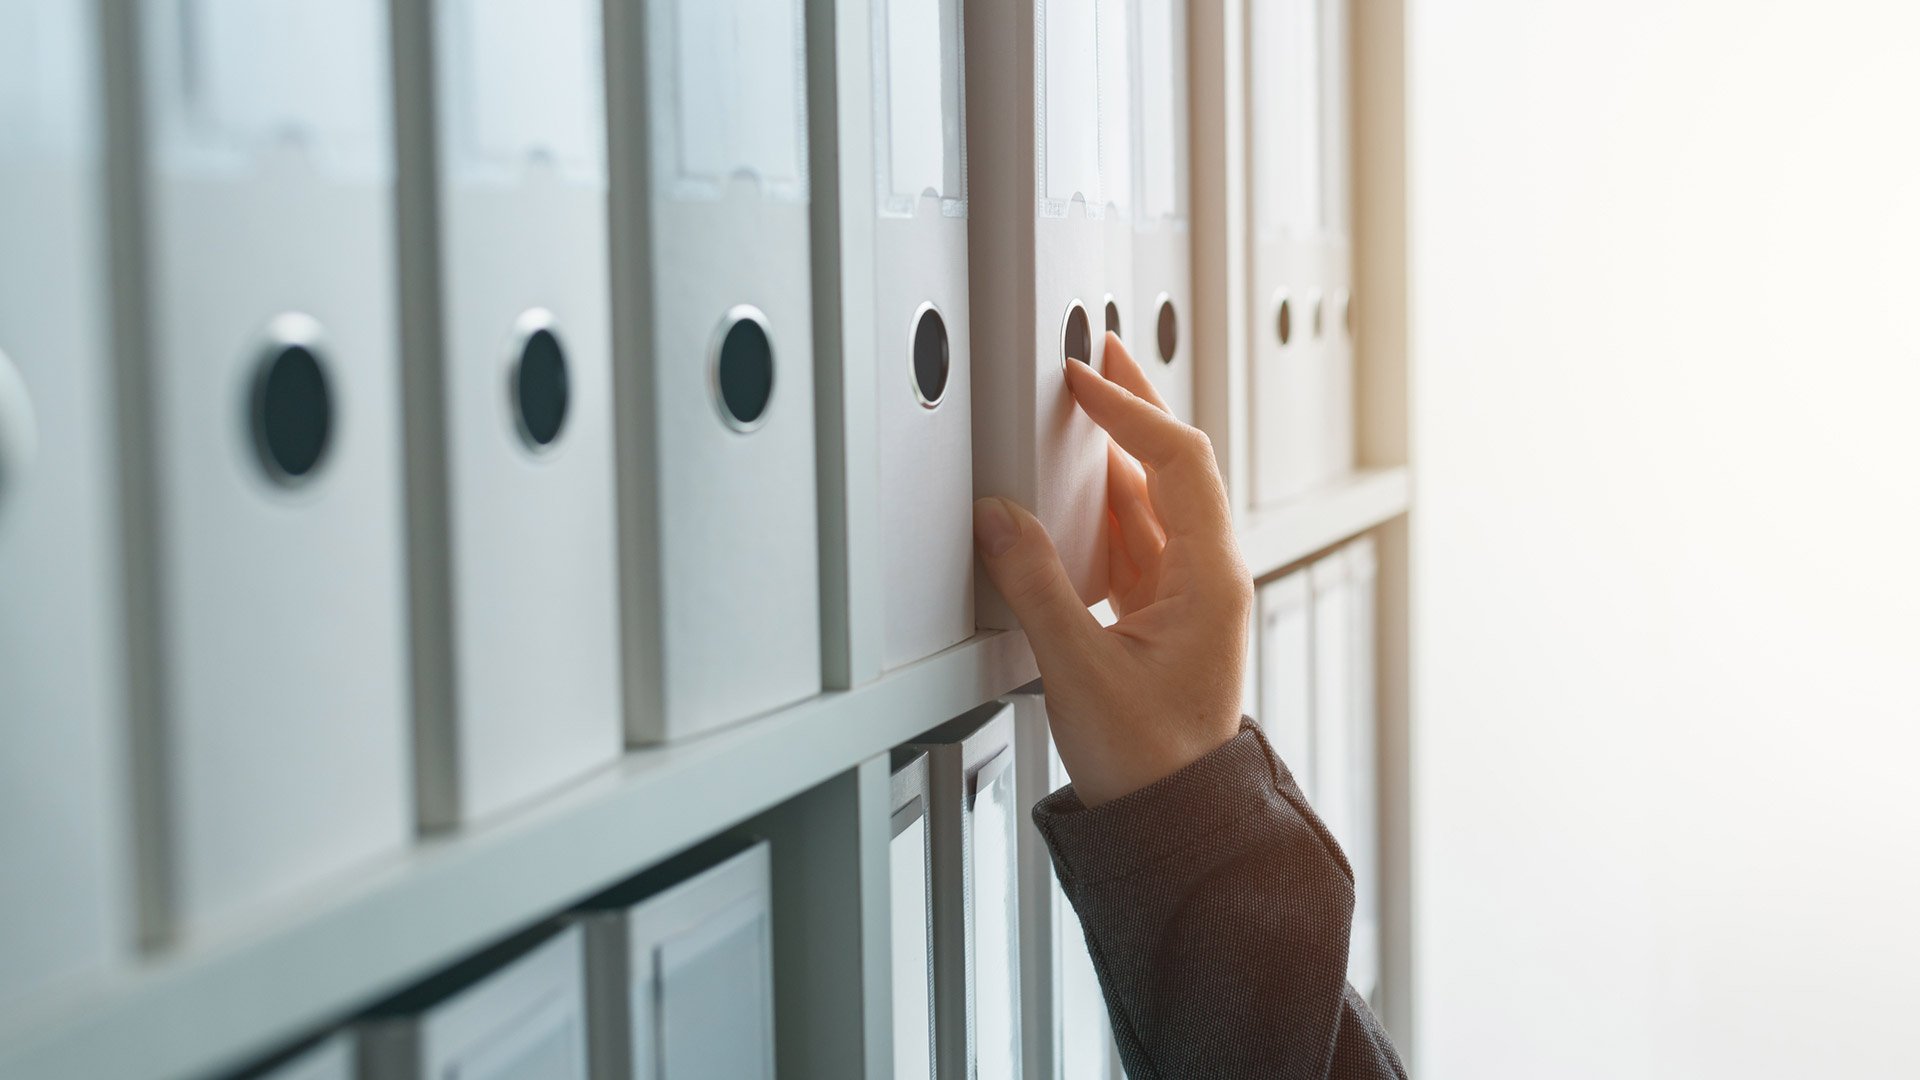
(1142, 699)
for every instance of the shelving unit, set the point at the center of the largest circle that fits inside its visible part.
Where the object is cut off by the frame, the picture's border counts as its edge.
(213, 1004)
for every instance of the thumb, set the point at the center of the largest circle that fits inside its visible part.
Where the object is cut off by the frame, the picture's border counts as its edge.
(1020, 559)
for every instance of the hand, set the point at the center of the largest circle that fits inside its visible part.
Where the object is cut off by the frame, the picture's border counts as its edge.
(1142, 699)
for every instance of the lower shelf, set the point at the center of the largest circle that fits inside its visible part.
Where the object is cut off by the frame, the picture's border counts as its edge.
(211, 1004)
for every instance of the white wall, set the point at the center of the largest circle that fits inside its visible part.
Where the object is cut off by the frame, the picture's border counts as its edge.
(1665, 272)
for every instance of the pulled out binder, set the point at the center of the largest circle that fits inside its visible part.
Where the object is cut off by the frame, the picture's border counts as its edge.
(503, 179)
(975, 822)
(1044, 206)
(680, 968)
(515, 1012)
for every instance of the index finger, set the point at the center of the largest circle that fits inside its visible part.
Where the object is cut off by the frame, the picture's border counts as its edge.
(1187, 493)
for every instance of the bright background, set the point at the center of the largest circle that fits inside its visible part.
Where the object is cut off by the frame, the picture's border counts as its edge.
(1665, 333)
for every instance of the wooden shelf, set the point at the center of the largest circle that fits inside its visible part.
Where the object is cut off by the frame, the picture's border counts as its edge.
(215, 1003)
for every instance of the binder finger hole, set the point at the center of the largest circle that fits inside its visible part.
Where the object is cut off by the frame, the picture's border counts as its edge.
(1346, 311)
(1113, 318)
(743, 368)
(1076, 336)
(541, 389)
(1317, 316)
(292, 409)
(1283, 318)
(932, 361)
(1167, 329)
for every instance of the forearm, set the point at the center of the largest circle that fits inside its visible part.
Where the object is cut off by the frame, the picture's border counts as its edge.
(1217, 911)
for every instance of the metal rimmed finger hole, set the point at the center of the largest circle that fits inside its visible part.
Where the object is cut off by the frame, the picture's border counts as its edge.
(932, 360)
(1076, 336)
(743, 368)
(1166, 329)
(1283, 318)
(291, 404)
(542, 390)
(1113, 317)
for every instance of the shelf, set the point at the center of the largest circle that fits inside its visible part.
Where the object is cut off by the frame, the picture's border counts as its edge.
(212, 1004)
(1272, 540)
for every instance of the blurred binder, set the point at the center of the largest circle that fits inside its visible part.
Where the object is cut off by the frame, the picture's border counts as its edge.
(713, 324)
(1161, 282)
(65, 911)
(680, 969)
(515, 1012)
(910, 869)
(1363, 849)
(1299, 273)
(1286, 673)
(1040, 273)
(975, 820)
(503, 180)
(257, 185)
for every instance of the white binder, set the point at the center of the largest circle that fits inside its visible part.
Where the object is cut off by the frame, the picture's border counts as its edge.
(1332, 742)
(680, 969)
(332, 1058)
(1301, 360)
(1160, 309)
(65, 910)
(1286, 674)
(517, 1012)
(910, 871)
(503, 180)
(975, 819)
(271, 728)
(1363, 848)
(1066, 1031)
(1039, 267)
(892, 312)
(713, 324)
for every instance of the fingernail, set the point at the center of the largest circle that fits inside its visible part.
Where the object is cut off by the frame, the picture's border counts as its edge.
(994, 529)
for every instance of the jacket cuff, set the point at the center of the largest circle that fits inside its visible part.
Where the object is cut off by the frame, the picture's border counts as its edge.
(1170, 815)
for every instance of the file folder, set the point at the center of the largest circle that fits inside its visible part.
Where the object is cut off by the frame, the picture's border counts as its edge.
(910, 871)
(1161, 304)
(1065, 1028)
(1333, 721)
(65, 911)
(713, 327)
(1039, 268)
(1363, 849)
(1301, 252)
(680, 969)
(1286, 713)
(268, 562)
(972, 777)
(921, 327)
(503, 181)
(332, 1058)
(515, 1012)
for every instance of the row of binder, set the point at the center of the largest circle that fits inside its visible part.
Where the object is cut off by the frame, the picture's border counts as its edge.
(1310, 683)
(667, 977)
(670, 975)
(405, 405)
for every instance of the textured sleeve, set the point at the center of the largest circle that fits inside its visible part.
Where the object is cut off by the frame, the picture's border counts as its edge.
(1218, 911)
